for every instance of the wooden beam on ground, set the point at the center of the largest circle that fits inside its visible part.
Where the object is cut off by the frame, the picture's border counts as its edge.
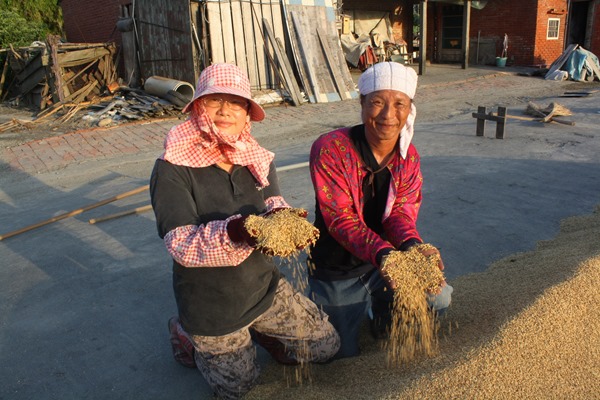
(499, 118)
(137, 210)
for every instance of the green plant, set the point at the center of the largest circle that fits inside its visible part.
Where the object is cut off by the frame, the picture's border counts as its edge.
(47, 12)
(25, 21)
(16, 30)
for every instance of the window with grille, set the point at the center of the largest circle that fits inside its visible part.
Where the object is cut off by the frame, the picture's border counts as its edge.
(553, 26)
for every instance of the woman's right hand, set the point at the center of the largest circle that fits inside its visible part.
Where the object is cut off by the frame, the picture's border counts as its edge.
(236, 229)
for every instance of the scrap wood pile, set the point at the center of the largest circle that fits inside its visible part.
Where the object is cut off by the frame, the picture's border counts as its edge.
(62, 79)
(125, 104)
(130, 104)
(50, 73)
(549, 113)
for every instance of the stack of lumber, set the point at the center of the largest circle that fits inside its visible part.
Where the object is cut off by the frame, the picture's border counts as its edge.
(289, 44)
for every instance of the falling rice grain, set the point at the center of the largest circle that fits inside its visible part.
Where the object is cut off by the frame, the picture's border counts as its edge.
(284, 234)
(413, 330)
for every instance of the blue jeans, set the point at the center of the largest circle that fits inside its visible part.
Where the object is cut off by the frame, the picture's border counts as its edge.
(348, 302)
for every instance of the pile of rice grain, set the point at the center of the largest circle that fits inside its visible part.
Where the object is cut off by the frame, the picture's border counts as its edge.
(412, 331)
(283, 233)
(526, 328)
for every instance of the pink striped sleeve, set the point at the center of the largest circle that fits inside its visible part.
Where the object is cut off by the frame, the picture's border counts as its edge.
(276, 202)
(205, 245)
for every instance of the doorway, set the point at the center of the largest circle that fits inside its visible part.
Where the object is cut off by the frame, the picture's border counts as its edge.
(451, 34)
(579, 24)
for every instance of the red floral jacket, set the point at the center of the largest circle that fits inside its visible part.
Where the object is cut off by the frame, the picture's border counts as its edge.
(337, 173)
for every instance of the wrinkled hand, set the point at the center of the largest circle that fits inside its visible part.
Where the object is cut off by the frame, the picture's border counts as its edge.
(238, 233)
(388, 280)
(431, 251)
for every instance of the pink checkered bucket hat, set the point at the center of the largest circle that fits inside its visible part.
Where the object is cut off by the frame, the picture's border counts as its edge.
(229, 79)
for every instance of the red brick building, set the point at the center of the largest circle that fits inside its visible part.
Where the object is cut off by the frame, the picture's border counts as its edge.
(535, 29)
(538, 30)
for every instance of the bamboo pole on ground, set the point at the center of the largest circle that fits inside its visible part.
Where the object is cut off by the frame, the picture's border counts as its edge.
(149, 207)
(75, 212)
(137, 210)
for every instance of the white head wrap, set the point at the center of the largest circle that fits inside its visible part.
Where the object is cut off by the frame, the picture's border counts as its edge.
(393, 76)
(388, 76)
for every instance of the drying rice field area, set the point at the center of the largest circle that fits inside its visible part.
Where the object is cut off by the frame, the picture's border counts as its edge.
(527, 328)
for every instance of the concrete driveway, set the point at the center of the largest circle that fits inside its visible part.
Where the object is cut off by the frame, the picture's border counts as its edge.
(83, 308)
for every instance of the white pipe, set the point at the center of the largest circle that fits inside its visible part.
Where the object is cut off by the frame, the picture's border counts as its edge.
(160, 86)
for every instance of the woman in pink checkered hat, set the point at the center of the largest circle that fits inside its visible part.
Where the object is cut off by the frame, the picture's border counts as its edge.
(211, 176)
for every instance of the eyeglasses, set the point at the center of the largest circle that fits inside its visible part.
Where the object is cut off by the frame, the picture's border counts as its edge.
(233, 104)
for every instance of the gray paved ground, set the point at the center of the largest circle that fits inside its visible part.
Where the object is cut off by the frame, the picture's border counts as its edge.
(83, 308)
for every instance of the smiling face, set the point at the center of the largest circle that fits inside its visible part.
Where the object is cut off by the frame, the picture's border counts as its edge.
(384, 114)
(227, 111)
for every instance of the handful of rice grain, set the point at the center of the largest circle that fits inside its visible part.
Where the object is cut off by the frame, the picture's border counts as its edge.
(413, 329)
(283, 233)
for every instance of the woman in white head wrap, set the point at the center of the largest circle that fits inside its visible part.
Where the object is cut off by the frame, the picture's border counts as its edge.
(367, 182)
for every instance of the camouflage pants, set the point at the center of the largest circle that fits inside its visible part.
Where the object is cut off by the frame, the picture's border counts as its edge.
(228, 362)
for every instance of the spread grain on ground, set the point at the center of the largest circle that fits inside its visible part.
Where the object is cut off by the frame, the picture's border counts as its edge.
(526, 328)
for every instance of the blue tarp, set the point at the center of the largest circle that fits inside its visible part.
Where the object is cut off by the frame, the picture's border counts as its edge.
(578, 62)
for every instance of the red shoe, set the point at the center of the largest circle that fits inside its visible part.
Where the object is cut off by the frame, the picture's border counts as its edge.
(274, 347)
(183, 348)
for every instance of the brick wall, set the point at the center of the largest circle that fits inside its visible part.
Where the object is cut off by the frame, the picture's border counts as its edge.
(92, 21)
(526, 23)
(548, 50)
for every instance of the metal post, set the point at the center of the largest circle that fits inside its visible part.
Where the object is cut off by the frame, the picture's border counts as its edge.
(423, 40)
(466, 33)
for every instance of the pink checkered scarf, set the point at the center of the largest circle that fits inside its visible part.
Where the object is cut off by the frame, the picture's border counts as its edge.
(198, 143)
